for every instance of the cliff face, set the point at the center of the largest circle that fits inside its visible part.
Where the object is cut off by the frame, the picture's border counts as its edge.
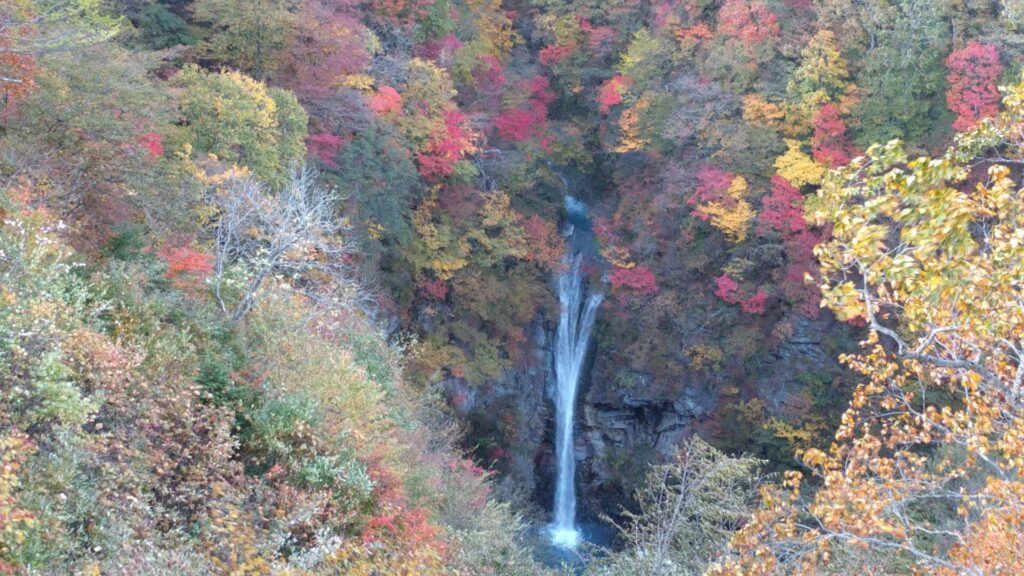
(620, 428)
(510, 419)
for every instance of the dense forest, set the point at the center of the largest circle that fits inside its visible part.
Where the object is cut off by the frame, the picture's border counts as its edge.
(279, 285)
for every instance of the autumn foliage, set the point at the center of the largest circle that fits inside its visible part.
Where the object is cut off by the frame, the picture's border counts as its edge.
(446, 147)
(17, 71)
(719, 199)
(192, 380)
(748, 21)
(830, 145)
(936, 418)
(327, 46)
(610, 93)
(782, 213)
(729, 291)
(552, 55)
(635, 282)
(531, 119)
(385, 101)
(974, 72)
(185, 266)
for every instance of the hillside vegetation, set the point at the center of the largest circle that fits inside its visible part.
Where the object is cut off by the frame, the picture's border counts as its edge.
(257, 255)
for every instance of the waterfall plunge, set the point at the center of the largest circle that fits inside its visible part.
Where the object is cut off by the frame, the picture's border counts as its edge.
(574, 327)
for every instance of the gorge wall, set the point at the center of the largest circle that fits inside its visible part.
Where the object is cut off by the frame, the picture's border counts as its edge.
(619, 429)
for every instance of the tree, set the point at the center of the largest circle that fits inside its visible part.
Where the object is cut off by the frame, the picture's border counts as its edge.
(493, 27)
(821, 79)
(749, 21)
(974, 71)
(17, 73)
(746, 37)
(644, 61)
(386, 101)
(611, 93)
(902, 73)
(242, 121)
(447, 147)
(634, 282)
(158, 27)
(376, 170)
(32, 28)
(782, 216)
(106, 117)
(797, 167)
(720, 199)
(246, 34)
(327, 45)
(925, 473)
(728, 290)
(291, 237)
(829, 144)
(36, 27)
(529, 120)
(186, 267)
(686, 511)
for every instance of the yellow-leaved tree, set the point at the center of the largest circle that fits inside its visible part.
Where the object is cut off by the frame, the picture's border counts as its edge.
(797, 167)
(925, 473)
(732, 218)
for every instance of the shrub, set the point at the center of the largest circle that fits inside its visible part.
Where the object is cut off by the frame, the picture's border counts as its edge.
(54, 399)
(280, 430)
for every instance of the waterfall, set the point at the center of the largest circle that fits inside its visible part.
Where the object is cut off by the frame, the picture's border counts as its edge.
(574, 326)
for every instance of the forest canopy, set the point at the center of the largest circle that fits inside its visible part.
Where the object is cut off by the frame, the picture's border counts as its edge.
(277, 284)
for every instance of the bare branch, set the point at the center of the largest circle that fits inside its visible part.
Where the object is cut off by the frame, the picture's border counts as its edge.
(290, 238)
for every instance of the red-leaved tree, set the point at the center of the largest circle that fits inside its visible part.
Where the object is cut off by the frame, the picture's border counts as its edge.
(17, 71)
(552, 55)
(531, 119)
(186, 268)
(782, 214)
(830, 145)
(489, 74)
(728, 290)
(323, 147)
(634, 282)
(713, 188)
(446, 147)
(783, 210)
(329, 44)
(747, 21)
(610, 93)
(385, 101)
(598, 37)
(974, 71)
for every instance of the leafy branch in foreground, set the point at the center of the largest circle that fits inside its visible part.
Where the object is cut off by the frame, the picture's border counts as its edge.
(925, 474)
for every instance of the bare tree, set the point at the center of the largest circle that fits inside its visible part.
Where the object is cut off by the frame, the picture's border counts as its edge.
(293, 238)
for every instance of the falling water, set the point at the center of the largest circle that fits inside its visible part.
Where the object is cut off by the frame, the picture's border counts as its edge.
(574, 326)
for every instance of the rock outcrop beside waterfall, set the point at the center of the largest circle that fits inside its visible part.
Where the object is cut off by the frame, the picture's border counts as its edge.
(619, 426)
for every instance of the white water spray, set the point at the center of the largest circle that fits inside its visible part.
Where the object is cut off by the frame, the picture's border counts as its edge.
(572, 340)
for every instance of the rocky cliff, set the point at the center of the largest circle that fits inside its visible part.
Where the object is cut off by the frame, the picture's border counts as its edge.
(621, 426)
